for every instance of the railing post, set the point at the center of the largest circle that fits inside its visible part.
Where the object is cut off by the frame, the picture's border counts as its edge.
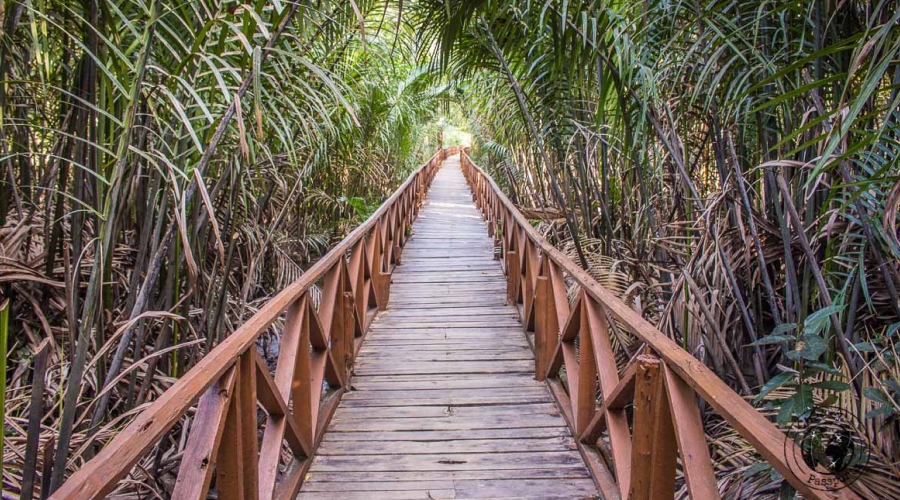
(544, 318)
(230, 467)
(348, 321)
(513, 277)
(587, 371)
(396, 248)
(420, 195)
(249, 433)
(654, 453)
(349, 333)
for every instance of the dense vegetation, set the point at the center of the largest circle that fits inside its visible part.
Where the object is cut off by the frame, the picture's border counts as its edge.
(729, 169)
(174, 165)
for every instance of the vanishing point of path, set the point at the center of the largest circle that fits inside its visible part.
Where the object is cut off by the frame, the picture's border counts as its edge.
(444, 402)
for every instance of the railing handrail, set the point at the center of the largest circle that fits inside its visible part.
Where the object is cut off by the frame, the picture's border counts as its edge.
(99, 475)
(752, 425)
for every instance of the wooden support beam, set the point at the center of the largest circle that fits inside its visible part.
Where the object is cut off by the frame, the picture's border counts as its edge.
(587, 373)
(230, 473)
(692, 441)
(513, 277)
(531, 269)
(292, 343)
(202, 447)
(654, 450)
(544, 325)
(357, 270)
(278, 413)
(304, 405)
(332, 315)
(615, 400)
(249, 426)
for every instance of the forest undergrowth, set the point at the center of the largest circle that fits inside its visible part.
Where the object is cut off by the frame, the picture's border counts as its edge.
(729, 169)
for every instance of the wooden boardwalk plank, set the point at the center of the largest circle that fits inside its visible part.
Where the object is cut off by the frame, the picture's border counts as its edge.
(478, 488)
(463, 435)
(449, 461)
(443, 402)
(404, 476)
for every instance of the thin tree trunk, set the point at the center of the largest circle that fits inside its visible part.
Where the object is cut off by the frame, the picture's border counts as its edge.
(155, 263)
(103, 248)
(520, 98)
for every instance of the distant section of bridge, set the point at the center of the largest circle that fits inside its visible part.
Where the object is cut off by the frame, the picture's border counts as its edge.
(468, 359)
(444, 403)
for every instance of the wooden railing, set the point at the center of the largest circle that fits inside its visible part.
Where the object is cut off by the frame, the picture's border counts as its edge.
(317, 349)
(637, 460)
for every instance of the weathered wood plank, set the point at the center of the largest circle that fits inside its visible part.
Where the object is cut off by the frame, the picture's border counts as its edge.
(445, 345)
(445, 376)
(410, 301)
(491, 311)
(452, 355)
(449, 435)
(446, 423)
(446, 411)
(446, 484)
(434, 447)
(487, 333)
(379, 495)
(397, 476)
(373, 368)
(454, 266)
(458, 324)
(540, 488)
(442, 382)
(478, 488)
(436, 289)
(450, 462)
(448, 401)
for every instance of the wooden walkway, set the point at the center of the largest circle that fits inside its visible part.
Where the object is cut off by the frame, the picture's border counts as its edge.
(444, 403)
(447, 400)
